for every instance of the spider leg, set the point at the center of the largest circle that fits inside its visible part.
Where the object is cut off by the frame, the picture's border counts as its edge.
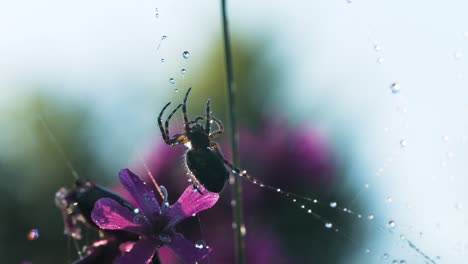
(160, 125)
(184, 111)
(208, 117)
(220, 128)
(166, 124)
(176, 139)
(198, 118)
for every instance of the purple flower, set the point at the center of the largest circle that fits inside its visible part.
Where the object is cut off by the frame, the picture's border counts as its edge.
(153, 223)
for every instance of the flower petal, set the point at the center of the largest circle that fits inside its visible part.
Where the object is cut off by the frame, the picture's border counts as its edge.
(141, 253)
(143, 196)
(189, 203)
(108, 214)
(186, 250)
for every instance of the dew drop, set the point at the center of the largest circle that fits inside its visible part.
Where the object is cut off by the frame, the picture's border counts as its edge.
(243, 230)
(309, 211)
(199, 245)
(33, 234)
(278, 190)
(136, 210)
(185, 54)
(445, 138)
(402, 237)
(367, 186)
(458, 206)
(371, 217)
(163, 60)
(389, 199)
(391, 224)
(172, 81)
(403, 143)
(194, 215)
(183, 71)
(457, 55)
(328, 225)
(367, 251)
(380, 60)
(294, 200)
(302, 206)
(385, 256)
(377, 47)
(333, 204)
(163, 37)
(395, 88)
(315, 201)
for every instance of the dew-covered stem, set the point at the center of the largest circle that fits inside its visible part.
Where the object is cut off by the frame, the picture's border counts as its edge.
(239, 228)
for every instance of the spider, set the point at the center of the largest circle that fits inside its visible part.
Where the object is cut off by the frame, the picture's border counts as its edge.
(203, 158)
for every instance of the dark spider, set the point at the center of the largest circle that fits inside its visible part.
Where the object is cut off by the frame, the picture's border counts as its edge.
(203, 158)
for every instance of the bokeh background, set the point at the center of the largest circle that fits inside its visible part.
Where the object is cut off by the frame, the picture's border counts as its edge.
(316, 112)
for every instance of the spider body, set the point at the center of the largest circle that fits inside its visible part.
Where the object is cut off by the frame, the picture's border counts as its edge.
(203, 159)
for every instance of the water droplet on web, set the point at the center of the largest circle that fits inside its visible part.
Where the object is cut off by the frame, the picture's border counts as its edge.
(450, 154)
(194, 215)
(458, 206)
(445, 138)
(278, 190)
(380, 60)
(402, 237)
(395, 88)
(302, 206)
(163, 37)
(172, 81)
(457, 55)
(385, 256)
(403, 143)
(370, 217)
(163, 60)
(136, 210)
(394, 261)
(377, 47)
(328, 225)
(391, 224)
(243, 230)
(309, 211)
(368, 250)
(183, 71)
(389, 199)
(333, 204)
(315, 201)
(185, 54)
(33, 234)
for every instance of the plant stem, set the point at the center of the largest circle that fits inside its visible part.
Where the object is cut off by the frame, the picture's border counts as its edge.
(239, 228)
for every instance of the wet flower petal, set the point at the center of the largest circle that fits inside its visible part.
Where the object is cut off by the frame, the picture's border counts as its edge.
(186, 250)
(189, 203)
(143, 196)
(108, 214)
(141, 253)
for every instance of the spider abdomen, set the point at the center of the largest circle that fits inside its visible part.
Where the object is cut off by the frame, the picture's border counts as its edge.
(209, 169)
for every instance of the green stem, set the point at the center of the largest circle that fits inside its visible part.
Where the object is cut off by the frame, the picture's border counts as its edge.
(239, 228)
